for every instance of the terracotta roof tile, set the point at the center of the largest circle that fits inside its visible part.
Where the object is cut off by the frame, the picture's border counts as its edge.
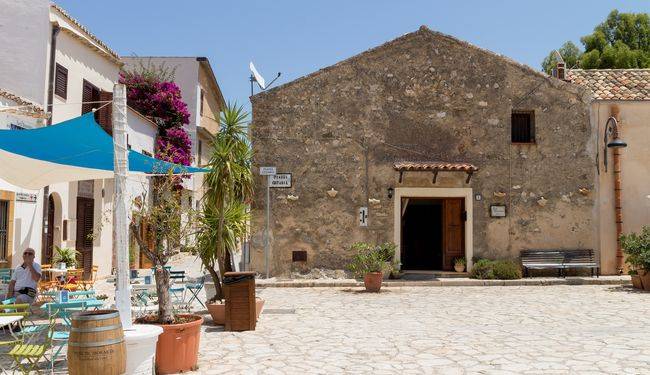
(613, 84)
(434, 165)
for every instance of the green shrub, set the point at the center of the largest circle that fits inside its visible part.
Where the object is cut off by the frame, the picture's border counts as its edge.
(482, 269)
(495, 269)
(637, 248)
(506, 270)
(371, 258)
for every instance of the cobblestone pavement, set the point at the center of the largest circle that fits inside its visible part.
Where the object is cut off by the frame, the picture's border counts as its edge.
(585, 329)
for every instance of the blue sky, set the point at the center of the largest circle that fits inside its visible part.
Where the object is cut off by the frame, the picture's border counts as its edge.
(299, 37)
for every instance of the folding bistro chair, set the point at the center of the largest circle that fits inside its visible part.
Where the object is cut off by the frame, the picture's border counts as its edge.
(88, 283)
(31, 329)
(59, 338)
(194, 289)
(28, 356)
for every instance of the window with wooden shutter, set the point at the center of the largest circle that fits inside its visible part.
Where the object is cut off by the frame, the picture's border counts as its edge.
(61, 82)
(201, 103)
(4, 228)
(523, 127)
(90, 97)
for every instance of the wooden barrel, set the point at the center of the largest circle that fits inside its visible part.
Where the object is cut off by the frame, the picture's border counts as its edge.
(96, 344)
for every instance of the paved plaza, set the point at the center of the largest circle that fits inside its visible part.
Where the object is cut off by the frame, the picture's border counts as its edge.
(586, 329)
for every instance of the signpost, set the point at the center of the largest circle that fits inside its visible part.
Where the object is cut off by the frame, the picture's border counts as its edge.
(280, 180)
(269, 172)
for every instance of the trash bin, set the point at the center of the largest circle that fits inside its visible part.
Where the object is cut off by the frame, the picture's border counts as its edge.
(239, 290)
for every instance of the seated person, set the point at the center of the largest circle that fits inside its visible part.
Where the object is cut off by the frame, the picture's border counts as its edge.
(24, 280)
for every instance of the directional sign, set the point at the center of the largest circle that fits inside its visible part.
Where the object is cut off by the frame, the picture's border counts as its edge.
(280, 180)
(267, 171)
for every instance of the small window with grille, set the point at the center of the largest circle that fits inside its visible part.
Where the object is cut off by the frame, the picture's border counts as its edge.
(523, 127)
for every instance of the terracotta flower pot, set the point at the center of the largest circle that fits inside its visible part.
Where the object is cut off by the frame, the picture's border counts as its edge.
(459, 267)
(645, 279)
(178, 346)
(372, 281)
(218, 311)
(636, 282)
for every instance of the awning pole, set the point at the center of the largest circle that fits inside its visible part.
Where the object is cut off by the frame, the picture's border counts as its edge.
(120, 212)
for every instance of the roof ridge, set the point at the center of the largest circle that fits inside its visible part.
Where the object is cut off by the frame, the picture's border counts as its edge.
(421, 30)
(85, 30)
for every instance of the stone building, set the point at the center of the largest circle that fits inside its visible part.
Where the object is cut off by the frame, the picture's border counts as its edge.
(450, 149)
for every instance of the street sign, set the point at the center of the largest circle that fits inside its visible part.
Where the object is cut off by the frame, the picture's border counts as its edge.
(280, 180)
(363, 216)
(267, 171)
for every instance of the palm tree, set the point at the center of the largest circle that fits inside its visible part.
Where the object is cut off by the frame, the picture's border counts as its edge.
(229, 189)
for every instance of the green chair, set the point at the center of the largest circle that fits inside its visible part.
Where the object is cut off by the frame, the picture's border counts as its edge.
(194, 289)
(12, 309)
(28, 356)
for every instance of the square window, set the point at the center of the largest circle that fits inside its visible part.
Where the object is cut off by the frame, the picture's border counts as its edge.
(523, 127)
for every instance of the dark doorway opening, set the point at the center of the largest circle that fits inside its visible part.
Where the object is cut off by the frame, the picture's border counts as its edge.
(422, 237)
(432, 233)
(49, 247)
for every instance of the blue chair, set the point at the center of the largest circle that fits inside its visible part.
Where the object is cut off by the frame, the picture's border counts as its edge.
(194, 289)
(5, 274)
(64, 311)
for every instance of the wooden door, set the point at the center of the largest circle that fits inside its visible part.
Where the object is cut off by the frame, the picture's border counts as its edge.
(84, 243)
(145, 262)
(49, 246)
(454, 231)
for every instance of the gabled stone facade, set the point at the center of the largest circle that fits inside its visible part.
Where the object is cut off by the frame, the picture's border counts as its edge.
(424, 96)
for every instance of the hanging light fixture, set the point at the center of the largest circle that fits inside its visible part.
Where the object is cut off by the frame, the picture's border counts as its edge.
(611, 129)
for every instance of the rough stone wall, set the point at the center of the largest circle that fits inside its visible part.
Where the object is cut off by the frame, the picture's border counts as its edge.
(423, 96)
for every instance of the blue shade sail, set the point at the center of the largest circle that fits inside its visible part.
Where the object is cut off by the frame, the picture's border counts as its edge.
(73, 150)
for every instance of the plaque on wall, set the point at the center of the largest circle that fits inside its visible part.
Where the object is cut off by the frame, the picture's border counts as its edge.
(497, 210)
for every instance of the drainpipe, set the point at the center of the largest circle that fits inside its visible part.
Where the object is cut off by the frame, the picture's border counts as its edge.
(618, 209)
(50, 99)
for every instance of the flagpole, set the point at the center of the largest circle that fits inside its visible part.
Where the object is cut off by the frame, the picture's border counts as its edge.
(120, 212)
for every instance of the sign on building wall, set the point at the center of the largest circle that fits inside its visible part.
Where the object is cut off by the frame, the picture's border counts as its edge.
(26, 197)
(363, 216)
(280, 180)
(267, 171)
(497, 210)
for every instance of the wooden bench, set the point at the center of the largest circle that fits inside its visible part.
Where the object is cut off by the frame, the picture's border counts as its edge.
(560, 260)
(581, 258)
(542, 259)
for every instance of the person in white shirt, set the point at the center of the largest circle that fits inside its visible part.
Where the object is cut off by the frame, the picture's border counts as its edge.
(24, 281)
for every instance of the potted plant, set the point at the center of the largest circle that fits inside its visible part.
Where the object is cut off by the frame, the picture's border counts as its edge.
(459, 264)
(225, 211)
(637, 248)
(162, 214)
(637, 283)
(370, 263)
(65, 257)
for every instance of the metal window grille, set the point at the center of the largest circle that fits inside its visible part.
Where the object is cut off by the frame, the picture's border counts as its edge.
(4, 226)
(523, 127)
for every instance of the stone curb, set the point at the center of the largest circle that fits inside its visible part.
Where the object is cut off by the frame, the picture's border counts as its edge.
(445, 282)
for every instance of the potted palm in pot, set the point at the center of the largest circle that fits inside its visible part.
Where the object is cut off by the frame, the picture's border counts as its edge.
(636, 247)
(369, 263)
(459, 264)
(225, 210)
(65, 257)
(163, 221)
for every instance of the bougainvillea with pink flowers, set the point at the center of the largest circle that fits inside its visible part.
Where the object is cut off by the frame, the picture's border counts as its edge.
(152, 92)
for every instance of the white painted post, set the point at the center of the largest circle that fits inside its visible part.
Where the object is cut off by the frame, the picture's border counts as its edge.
(267, 246)
(120, 212)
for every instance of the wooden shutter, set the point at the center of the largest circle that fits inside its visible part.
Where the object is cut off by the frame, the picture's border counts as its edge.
(61, 82)
(84, 244)
(523, 130)
(4, 227)
(103, 116)
(90, 94)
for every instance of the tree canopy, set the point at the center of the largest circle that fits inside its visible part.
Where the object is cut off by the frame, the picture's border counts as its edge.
(621, 41)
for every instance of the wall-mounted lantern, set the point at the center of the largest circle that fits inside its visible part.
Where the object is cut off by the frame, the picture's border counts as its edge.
(390, 192)
(611, 128)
